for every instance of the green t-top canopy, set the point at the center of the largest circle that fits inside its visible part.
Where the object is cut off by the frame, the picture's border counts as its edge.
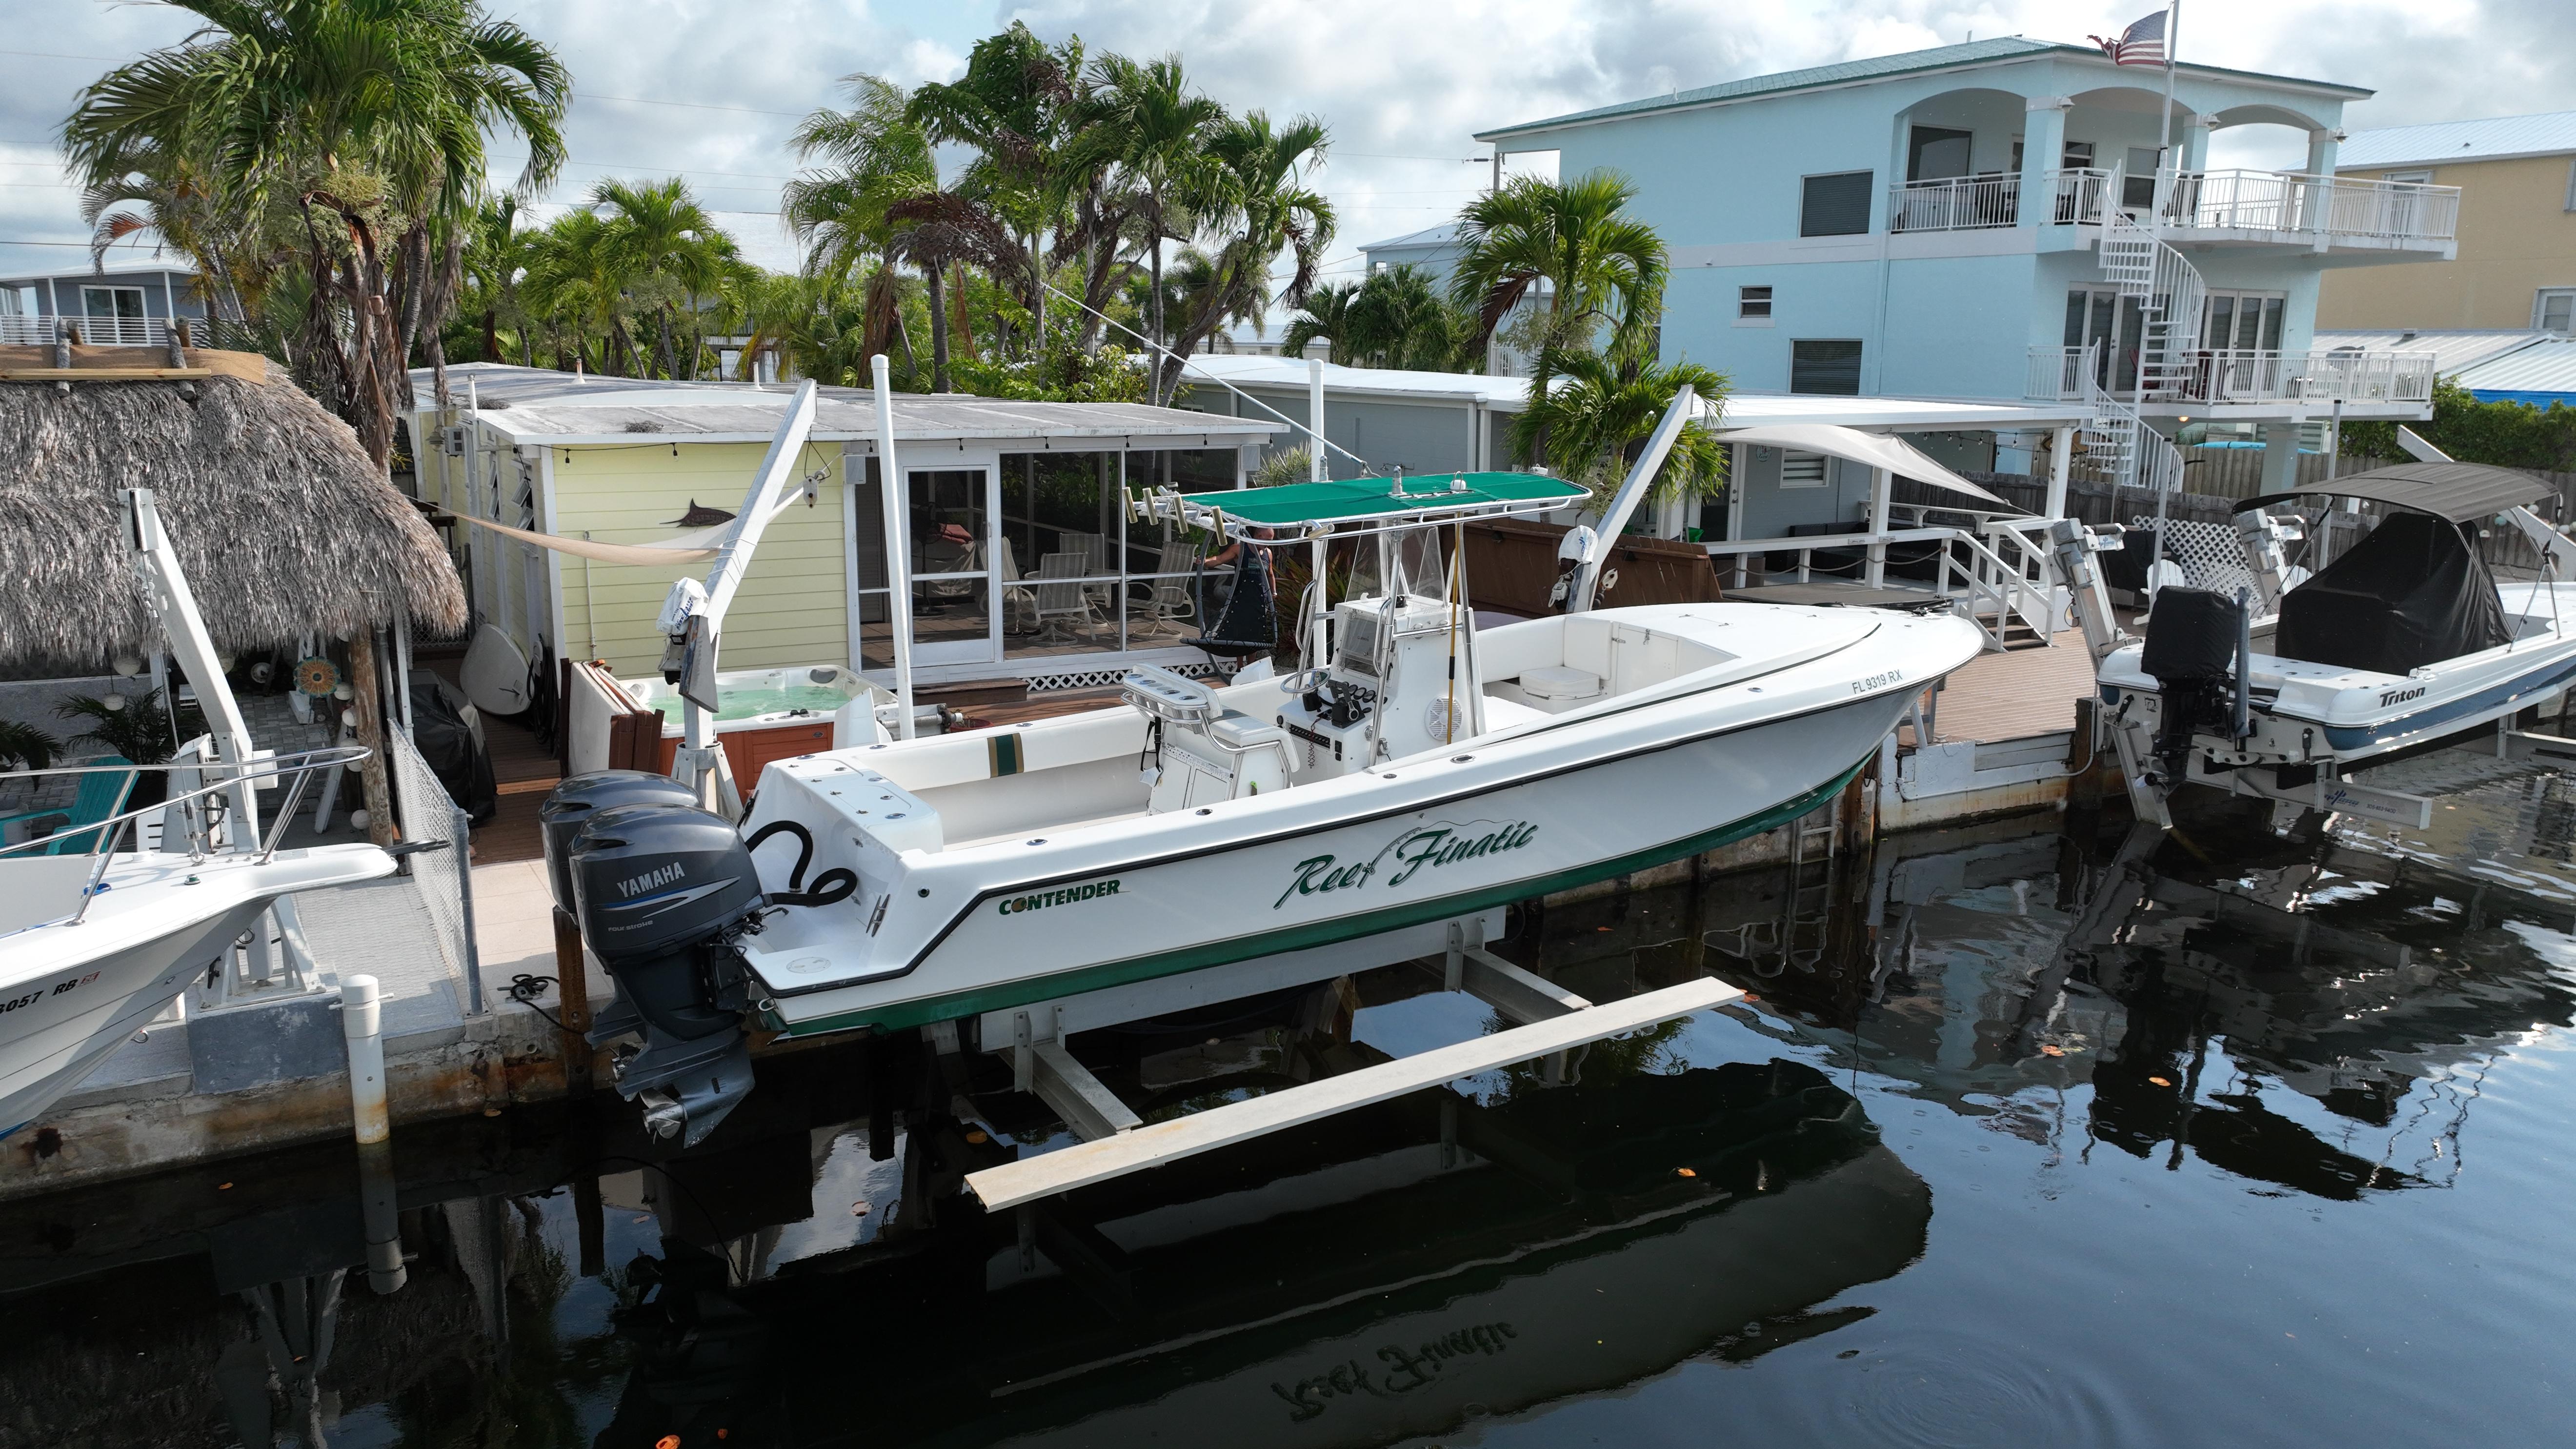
(1347, 500)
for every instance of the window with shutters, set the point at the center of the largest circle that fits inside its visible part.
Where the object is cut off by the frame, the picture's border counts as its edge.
(1835, 205)
(1753, 303)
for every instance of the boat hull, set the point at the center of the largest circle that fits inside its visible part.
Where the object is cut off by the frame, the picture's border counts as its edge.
(1656, 790)
(69, 994)
(74, 1018)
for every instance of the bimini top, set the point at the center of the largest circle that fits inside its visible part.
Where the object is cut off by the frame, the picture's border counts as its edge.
(2456, 491)
(1296, 506)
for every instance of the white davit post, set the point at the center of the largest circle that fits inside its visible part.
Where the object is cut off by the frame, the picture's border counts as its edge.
(1315, 471)
(898, 546)
(694, 613)
(1622, 505)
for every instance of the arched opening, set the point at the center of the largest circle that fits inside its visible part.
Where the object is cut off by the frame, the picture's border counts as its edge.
(1958, 162)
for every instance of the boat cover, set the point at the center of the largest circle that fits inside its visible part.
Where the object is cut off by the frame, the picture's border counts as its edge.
(1425, 495)
(2412, 593)
(2456, 491)
(447, 743)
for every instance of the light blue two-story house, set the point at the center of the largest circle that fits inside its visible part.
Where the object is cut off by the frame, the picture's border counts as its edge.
(2007, 219)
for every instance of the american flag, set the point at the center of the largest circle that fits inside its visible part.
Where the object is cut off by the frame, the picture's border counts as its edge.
(2140, 44)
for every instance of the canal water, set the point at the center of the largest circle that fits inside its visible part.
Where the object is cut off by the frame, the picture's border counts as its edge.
(2024, 1136)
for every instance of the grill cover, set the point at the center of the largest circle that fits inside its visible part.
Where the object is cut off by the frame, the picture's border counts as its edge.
(2412, 593)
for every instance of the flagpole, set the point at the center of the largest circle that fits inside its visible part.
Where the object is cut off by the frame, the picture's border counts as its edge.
(2167, 159)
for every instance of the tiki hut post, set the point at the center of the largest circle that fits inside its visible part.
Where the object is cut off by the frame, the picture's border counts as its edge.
(368, 702)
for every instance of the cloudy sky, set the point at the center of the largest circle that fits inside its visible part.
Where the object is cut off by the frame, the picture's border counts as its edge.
(709, 90)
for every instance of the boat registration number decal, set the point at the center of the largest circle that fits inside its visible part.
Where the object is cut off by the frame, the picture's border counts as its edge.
(1423, 847)
(32, 997)
(1040, 900)
(1877, 681)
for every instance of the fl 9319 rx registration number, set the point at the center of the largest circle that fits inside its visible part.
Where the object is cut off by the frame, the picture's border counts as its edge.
(1878, 681)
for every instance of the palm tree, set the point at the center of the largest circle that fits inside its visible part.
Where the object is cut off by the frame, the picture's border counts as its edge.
(155, 189)
(663, 240)
(1019, 106)
(1142, 121)
(1594, 423)
(1602, 269)
(1254, 200)
(498, 254)
(574, 279)
(375, 114)
(1398, 318)
(876, 156)
(1325, 317)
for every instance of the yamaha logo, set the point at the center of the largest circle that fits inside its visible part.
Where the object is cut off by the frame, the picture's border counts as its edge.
(650, 880)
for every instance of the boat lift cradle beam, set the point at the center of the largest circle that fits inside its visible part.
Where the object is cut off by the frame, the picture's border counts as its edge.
(1107, 1158)
(1550, 1022)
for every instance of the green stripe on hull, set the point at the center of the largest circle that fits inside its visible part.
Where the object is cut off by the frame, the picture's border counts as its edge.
(898, 1015)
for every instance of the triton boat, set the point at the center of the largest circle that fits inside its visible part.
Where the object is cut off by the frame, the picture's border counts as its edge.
(2286, 689)
(95, 939)
(1418, 769)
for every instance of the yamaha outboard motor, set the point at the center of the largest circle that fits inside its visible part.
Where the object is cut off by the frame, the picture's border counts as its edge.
(576, 800)
(2195, 638)
(662, 892)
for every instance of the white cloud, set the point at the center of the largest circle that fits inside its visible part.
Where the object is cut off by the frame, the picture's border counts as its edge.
(1403, 85)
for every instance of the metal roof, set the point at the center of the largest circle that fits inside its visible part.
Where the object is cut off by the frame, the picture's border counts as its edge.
(2493, 139)
(1943, 57)
(1445, 234)
(1431, 495)
(2452, 350)
(1743, 409)
(2547, 365)
(537, 405)
(2456, 491)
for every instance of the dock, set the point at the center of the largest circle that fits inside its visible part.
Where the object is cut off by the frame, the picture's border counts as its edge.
(210, 1080)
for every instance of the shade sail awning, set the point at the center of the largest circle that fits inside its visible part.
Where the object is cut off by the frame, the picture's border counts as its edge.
(1347, 500)
(1876, 450)
(2456, 491)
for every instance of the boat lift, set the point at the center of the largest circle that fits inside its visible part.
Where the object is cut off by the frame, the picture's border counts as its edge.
(1548, 1021)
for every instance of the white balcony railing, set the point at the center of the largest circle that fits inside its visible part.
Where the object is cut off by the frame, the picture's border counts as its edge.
(2076, 196)
(1954, 203)
(2243, 375)
(2298, 207)
(20, 329)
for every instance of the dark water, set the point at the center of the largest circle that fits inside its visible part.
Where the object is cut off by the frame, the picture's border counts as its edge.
(2024, 1140)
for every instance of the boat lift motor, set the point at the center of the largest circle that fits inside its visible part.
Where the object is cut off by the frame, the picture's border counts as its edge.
(663, 892)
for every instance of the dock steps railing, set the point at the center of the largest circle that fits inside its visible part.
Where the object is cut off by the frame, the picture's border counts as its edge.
(1104, 1159)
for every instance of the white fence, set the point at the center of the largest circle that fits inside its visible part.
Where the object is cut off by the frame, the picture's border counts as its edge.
(2289, 202)
(444, 877)
(23, 330)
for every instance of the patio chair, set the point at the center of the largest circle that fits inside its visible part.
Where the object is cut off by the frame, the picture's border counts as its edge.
(101, 795)
(1019, 602)
(1059, 595)
(1167, 599)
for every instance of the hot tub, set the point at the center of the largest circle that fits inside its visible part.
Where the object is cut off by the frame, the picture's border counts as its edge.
(773, 714)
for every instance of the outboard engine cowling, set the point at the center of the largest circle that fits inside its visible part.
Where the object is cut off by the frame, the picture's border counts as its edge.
(576, 800)
(662, 892)
(2192, 649)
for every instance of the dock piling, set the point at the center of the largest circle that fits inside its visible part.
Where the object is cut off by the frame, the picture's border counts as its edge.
(362, 1022)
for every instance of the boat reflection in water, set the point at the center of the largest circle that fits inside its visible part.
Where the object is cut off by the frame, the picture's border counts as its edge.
(2315, 1014)
(2310, 1020)
(1400, 1271)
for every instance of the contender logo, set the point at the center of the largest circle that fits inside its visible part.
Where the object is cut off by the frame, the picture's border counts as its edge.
(1070, 894)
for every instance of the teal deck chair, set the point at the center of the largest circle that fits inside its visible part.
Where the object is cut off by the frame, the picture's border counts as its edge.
(101, 795)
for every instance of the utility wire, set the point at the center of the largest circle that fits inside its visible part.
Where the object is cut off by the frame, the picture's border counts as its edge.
(1212, 377)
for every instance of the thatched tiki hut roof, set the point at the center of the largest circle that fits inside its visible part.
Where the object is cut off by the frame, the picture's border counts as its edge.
(282, 524)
